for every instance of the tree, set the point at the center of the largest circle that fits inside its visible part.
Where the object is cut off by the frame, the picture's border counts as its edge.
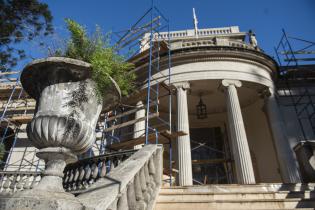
(21, 20)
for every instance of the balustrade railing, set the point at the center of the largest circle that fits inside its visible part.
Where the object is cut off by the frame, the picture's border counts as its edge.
(121, 180)
(14, 181)
(81, 174)
(134, 184)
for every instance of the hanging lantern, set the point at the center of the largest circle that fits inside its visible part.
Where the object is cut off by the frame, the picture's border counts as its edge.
(201, 109)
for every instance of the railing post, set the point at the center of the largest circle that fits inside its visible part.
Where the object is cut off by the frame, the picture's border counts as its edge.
(131, 196)
(141, 204)
(122, 201)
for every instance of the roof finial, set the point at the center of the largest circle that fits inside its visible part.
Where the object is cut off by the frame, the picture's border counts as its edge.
(195, 22)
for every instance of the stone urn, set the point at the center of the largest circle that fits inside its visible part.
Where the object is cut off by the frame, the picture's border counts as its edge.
(66, 113)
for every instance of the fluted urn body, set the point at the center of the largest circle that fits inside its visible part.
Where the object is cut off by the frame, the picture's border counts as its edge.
(66, 116)
(67, 110)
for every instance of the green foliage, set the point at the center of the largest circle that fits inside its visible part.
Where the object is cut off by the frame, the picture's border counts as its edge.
(96, 50)
(2, 151)
(21, 20)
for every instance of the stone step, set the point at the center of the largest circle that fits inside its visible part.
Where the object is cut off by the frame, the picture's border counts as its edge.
(206, 196)
(274, 187)
(258, 204)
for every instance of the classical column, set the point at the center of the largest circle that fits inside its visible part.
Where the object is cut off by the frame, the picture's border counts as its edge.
(241, 153)
(288, 165)
(139, 127)
(183, 143)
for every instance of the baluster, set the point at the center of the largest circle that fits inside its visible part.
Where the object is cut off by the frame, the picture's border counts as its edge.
(2, 181)
(113, 205)
(20, 183)
(80, 180)
(147, 179)
(66, 179)
(143, 185)
(27, 182)
(75, 178)
(158, 163)
(119, 160)
(14, 182)
(103, 169)
(87, 175)
(7, 182)
(112, 164)
(131, 196)
(141, 205)
(71, 179)
(152, 172)
(122, 203)
(94, 172)
(34, 181)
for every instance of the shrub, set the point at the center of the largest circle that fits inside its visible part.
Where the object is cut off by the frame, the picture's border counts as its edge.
(96, 50)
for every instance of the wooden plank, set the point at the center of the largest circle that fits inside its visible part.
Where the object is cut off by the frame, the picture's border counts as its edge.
(131, 122)
(19, 108)
(300, 59)
(135, 31)
(172, 136)
(8, 79)
(166, 86)
(132, 142)
(141, 140)
(209, 161)
(21, 119)
(128, 112)
(9, 73)
(297, 52)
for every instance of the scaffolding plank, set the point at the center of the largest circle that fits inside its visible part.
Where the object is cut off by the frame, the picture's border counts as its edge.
(18, 108)
(297, 52)
(21, 119)
(9, 73)
(129, 112)
(131, 122)
(299, 59)
(162, 139)
(172, 136)
(209, 161)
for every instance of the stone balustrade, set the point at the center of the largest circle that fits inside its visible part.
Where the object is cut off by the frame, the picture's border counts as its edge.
(81, 174)
(14, 181)
(201, 32)
(134, 184)
(121, 180)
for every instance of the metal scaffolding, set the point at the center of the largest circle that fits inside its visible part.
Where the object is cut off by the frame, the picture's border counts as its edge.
(296, 80)
(16, 110)
(118, 132)
(115, 128)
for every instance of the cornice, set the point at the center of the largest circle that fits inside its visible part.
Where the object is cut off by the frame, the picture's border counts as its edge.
(216, 53)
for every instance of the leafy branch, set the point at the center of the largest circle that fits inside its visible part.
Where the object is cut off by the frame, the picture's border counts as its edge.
(96, 50)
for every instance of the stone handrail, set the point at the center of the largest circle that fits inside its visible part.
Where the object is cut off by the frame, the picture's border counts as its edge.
(14, 181)
(134, 184)
(80, 175)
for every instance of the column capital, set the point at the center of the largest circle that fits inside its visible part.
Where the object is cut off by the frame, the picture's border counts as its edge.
(266, 93)
(227, 83)
(183, 85)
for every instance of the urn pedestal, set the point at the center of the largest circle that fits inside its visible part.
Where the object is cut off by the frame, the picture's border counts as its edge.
(67, 110)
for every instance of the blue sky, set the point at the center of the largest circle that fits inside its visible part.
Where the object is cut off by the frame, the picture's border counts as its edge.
(265, 17)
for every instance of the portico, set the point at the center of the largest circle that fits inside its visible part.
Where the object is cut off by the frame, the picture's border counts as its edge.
(242, 104)
(236, 80)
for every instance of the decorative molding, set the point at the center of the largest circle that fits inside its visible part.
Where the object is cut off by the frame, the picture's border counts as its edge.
(235, 83)
(183, 85)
